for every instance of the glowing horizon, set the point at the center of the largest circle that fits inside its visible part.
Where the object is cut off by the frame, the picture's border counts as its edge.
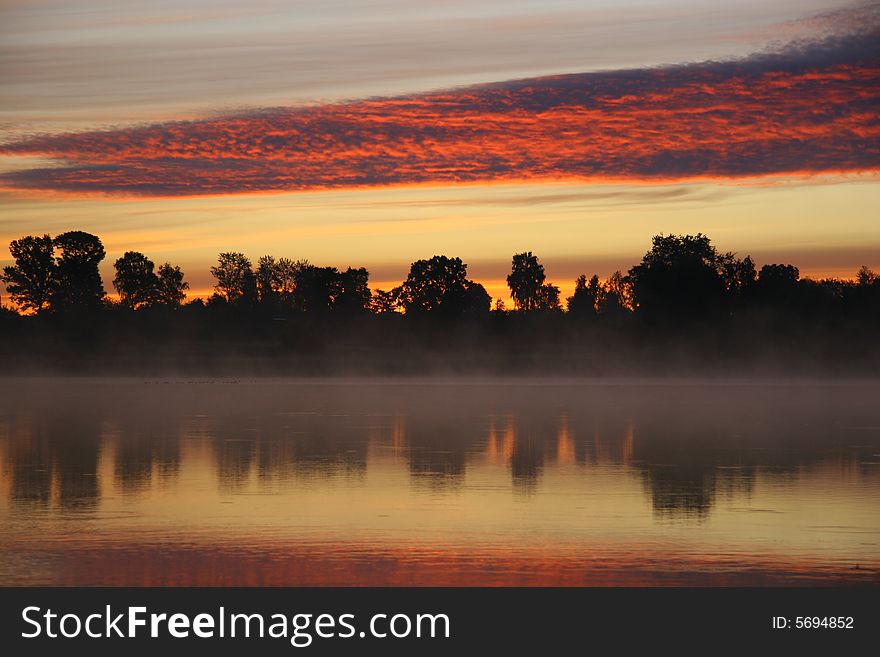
(587, 229)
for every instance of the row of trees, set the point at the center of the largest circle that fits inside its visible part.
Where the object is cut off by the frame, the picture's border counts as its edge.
(284, 284)
(40, 279)
(680, 278)
(61, 274)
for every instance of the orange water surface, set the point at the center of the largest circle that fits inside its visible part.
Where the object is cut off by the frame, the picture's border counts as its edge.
(439, 482)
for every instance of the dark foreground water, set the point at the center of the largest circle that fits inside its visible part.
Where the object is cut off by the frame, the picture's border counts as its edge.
(274, 482)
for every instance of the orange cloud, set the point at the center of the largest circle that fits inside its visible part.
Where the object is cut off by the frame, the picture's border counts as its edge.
(808, 110)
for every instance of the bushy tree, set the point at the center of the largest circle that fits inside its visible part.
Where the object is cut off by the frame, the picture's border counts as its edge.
(476, 300)
(679, 278)
(236, 282)
(622, 288)
(778, 288)
(617, 295)
(170, 286)
(269, 280)
(288, 272)
(316, 288)
(548, 298)
(778, 280)
(30, 281)
(353, 291)
(587, 297)
(135, 280)
(865, 276)
(440, 284)
(78, 281)
(740, 276)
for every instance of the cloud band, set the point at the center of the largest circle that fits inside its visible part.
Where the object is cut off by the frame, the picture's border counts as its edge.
(811, 109)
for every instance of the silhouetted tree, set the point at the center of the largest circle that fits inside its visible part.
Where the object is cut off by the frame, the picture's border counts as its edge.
(440, 285)
(680, 278)
(525, 281)
(269, 280)
(866, 276)
(739, 276)
(587, 297)
(778, 283)
(548, 298)
(236, 282)
(477, 300)
(353, 293)
(385, 301)
(135, 280)
(305, 287)
(864, 298)
(617, 295)
(31, 279)
(288, 272)
(778, 276)
(78, 281)
(170, 286)
(316, 288)
(780, 293)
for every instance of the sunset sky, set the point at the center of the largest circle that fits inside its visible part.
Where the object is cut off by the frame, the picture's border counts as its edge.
(357, 133)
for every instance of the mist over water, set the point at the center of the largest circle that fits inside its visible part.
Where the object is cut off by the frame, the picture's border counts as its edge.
(439, 481)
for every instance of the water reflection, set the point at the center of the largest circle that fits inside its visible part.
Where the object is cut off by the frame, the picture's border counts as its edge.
(143, 451)
(53, 459)
(452, 468)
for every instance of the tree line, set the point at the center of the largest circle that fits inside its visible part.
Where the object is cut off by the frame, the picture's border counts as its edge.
(680, 278)
(61, 274)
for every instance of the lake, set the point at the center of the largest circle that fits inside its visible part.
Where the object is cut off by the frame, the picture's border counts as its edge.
(439, 482)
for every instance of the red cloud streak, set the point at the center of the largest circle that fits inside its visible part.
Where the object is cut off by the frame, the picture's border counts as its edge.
(810, 111)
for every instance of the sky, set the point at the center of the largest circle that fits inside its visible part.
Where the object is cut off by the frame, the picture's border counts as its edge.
(357, 133)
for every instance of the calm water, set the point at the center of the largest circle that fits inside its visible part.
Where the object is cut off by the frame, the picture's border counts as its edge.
(238, 482)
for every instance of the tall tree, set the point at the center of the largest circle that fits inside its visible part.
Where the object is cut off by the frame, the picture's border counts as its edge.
(170, 287)
(353, 294)
(78, 281)
(740, 276)
(31, 279)
(236, 282)
(525, 281)
(269, 279)
(135, 280)
(587, 297)
(316, 288)
(617, 293)
(277, 280)
(288, 273)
